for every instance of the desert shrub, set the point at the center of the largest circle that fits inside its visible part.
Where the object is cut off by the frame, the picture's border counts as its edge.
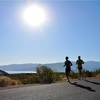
(73, 75)
(6, 81)
(25, 78)
(36, 79)
(96, 73)
(57, 77)
(87, 73)
(45, 75)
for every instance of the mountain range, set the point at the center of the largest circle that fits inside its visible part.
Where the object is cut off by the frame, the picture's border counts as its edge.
(89, 65)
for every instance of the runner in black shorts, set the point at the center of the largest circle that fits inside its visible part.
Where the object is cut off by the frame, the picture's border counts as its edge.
(67, 64)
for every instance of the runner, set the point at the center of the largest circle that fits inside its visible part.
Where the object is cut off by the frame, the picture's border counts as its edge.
(79, 63)
(67, 64)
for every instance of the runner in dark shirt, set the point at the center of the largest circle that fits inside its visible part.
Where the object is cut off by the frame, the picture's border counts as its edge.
(68, 65)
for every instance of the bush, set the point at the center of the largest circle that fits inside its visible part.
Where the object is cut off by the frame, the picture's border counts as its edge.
(44, 74)
(87, 73)
(57, 77)
(73, 75)
(96, 73)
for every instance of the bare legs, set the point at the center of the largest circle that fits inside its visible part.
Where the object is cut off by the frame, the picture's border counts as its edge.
(67, 75)
(80, 74)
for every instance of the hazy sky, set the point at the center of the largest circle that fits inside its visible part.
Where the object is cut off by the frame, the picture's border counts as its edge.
(72, 29)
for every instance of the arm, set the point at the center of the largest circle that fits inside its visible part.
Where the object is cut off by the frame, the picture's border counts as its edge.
(71, 63)
(64, 65)
(76, 62)
(82, 62)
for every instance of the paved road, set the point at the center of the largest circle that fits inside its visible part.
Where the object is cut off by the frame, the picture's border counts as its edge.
(76, 90)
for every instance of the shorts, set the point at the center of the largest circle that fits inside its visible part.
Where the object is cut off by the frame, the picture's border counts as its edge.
(67, 70)
(79, 68)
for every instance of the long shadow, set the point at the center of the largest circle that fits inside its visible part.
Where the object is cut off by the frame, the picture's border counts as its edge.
(82, 86)
(92, 82)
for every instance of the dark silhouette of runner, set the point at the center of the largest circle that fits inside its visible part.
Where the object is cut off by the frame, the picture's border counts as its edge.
(68, 65)
(79, 63)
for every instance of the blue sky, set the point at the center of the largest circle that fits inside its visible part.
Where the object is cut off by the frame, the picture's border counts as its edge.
(72, 29)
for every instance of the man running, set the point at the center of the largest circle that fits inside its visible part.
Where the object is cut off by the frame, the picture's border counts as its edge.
(67, 64)
(79, 63)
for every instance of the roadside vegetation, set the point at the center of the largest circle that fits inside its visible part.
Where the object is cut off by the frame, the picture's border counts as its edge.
(43, 75)
(7, 81)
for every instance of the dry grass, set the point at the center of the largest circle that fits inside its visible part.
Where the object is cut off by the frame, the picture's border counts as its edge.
(98, 75)
(6, 81)
(22, 79)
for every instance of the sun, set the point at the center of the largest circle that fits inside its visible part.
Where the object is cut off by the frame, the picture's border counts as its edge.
(34, 15)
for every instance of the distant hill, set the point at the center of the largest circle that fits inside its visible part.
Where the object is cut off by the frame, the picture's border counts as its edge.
(89, 65)
(19, 67)
(3, 72)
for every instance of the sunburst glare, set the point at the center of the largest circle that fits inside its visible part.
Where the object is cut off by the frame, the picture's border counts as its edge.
(34, 15)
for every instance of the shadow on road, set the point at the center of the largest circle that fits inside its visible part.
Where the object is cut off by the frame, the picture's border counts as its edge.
(93, 82)
(82, 86)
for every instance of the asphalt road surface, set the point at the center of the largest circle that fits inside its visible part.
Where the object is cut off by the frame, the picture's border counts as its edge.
(76, 90)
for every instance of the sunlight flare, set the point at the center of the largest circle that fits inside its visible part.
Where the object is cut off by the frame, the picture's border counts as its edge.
(34, 15)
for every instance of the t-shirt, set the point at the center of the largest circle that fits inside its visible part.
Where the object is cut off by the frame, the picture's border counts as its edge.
(79, 62)
(68, 64)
